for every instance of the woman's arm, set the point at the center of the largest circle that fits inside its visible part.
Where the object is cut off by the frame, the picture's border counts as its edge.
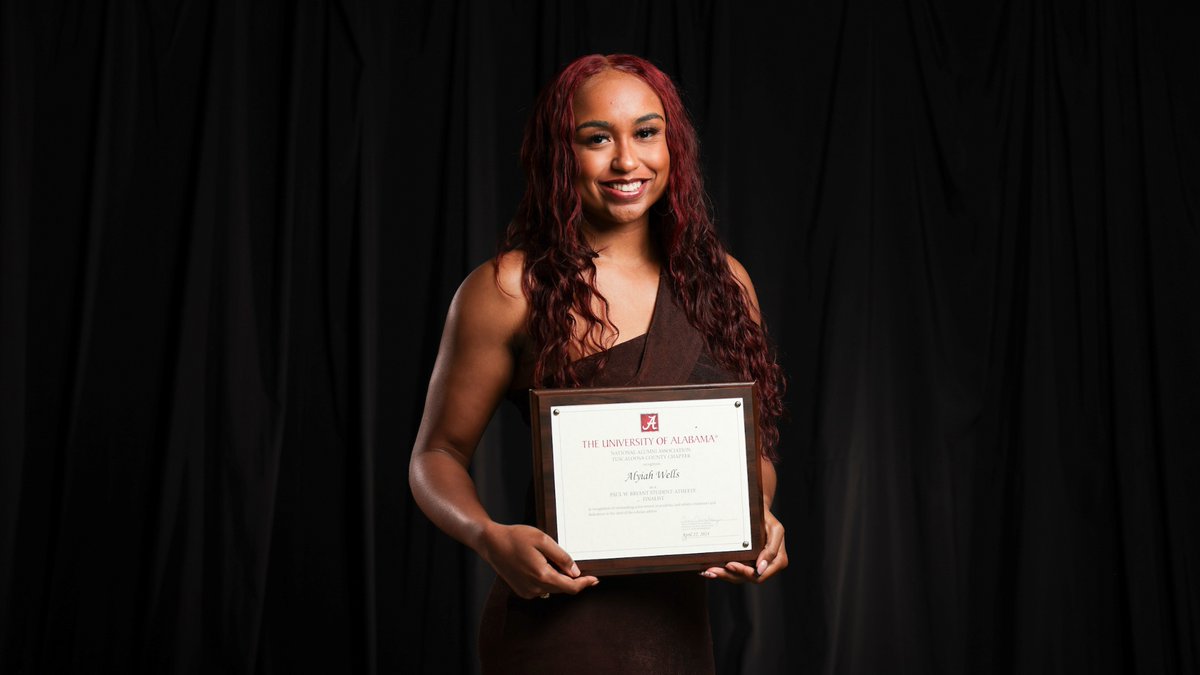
(475, 365)
(773, 557)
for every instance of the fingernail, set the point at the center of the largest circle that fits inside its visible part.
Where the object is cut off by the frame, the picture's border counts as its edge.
(595, 582)
(709, 574)
(574, 570)
(762, 567)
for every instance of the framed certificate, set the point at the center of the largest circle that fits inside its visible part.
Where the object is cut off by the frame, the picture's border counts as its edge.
(649, 479)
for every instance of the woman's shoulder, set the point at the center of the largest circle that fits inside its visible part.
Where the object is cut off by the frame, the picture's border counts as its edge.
(742, 277)
(509, 271)
(491, 298)
(497, 280)
(739, 272)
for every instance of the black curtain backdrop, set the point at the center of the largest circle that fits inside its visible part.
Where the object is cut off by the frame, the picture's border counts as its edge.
(230, 231)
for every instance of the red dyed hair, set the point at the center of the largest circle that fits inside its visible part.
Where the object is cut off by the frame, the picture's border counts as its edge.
(559, 270)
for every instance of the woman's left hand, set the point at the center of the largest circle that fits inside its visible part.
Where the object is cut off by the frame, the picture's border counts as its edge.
(772, 559)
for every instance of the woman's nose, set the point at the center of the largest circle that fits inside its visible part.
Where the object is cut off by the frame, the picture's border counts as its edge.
(625, 159)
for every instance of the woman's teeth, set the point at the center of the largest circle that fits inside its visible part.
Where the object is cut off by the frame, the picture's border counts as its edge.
(628, 187)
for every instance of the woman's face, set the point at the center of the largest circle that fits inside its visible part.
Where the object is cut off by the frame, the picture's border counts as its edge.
(621, 145)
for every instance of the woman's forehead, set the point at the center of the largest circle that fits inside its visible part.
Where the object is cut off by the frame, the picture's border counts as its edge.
(617, 94)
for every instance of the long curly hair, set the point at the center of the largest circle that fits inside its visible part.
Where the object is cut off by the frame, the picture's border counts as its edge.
(559, 267)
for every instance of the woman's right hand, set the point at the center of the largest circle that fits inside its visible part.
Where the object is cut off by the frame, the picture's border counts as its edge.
(530, 562)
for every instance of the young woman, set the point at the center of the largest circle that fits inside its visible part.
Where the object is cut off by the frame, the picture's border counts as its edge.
(611, 274)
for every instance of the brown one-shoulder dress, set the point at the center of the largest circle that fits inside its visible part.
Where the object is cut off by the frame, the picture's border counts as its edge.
(655, 623)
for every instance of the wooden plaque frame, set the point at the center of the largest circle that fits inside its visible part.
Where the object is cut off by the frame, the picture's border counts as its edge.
(541, 403)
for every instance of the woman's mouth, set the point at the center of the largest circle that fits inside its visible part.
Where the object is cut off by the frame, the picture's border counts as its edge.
(626, 190)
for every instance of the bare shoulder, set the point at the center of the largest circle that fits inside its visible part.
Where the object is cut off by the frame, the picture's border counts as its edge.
(743, 278)
(490, 302)
(509, 271)
(739, 272)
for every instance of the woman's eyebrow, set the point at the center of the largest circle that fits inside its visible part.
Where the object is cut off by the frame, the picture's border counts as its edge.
(595, 123)
(608, 125)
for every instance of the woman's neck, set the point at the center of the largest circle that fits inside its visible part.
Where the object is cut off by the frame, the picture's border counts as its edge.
(624, 245)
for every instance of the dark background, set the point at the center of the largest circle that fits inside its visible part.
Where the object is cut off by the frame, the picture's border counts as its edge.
(230, 232)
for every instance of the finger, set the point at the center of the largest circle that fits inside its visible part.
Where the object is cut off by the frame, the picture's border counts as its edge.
(779, 562)
(567, 586)
(745, 571)
(559, 556)
(768, 555)
(775, 533)
(765, 558)
(722, 574)
(774, 541)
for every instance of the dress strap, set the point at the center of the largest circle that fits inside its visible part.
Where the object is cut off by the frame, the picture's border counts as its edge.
(672, 344)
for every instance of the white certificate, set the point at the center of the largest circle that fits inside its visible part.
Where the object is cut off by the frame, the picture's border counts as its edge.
(654, 478)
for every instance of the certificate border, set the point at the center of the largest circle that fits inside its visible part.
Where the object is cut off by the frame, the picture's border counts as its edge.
(541, 401)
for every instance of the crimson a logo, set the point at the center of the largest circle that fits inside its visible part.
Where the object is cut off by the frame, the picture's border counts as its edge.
(649, 421)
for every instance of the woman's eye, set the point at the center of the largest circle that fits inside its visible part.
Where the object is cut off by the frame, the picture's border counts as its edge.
(647, 132)
(597, 139)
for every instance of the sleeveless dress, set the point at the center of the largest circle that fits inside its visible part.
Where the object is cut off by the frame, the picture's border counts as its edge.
(653, 623)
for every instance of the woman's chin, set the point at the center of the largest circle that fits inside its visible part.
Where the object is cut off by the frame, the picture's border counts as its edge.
(619, 218)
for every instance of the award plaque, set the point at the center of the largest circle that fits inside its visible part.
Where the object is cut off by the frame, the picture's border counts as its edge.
(649, 479)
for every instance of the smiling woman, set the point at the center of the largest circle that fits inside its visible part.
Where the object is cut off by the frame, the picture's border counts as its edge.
(624, 164)
(611, 275)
